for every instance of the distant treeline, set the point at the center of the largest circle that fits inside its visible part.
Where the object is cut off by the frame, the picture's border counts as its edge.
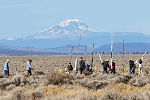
(27, 53)
(122, 52)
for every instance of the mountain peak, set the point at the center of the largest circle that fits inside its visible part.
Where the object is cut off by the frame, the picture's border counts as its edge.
(66, 23)
(70, 28)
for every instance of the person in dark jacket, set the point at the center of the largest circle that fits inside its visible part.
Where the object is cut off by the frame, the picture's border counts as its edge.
(132, 66)
(113, 68)
(105, 65)
(70, 68)
(82, 65)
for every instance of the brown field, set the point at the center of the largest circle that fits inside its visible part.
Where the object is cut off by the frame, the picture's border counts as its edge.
(47, 83)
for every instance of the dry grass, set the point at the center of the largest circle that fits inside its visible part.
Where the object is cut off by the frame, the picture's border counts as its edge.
(1, 92)
(56, 78)
(26, 88)
(122, 90)
(57, 91)
(73, 87)
(117, 91)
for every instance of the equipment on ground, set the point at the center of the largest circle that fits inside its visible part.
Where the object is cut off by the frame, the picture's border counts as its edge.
(95, 68)
(60, 71)
(66, 70)
(16, 71)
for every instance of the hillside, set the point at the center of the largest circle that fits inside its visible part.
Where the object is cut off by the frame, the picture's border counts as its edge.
(8, 50)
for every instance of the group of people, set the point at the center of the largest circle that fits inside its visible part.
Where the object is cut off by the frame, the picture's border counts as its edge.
(106, 65)
(85, 68)
(6, 67)
(132, 65)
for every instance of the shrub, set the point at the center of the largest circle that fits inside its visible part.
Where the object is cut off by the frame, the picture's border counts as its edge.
(1, 92)
(26, 88)
(56, 78)
(146, 71)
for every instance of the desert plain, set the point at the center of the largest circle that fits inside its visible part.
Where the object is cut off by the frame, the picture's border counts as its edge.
(50, 82)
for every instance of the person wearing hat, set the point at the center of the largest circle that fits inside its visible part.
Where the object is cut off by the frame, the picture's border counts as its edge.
(29, 67)
(82, 65)
(105, 65)
(70, 68)
(6, 68)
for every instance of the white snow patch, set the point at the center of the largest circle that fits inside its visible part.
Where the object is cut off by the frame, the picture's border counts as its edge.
(91, 30)
(51, 31)
(82, 28)
(63, 24)
(75, 20)
(9, 38)
(45, 30)
(59, 31)
(66, 23)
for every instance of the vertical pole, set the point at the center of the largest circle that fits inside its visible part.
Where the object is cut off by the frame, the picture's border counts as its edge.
(76, 62)
(93, 48)
(71, 50)
(111, 49)
(92, 62)
(123, 47)
(85, 52)
(71, 53)
(123, 59)
(92, 56)
(16, 71)
(111, 54)
(79, 44)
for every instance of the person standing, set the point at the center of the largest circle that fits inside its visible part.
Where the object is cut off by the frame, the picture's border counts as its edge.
(29, 67)
(70, 68)
(6, 68)
(113, 68)
(131, 64)
(105, 65)
(82, 65)
(140, 65)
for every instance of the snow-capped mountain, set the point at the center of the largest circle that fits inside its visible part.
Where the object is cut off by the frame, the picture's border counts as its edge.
(70, 28)
(68, 33)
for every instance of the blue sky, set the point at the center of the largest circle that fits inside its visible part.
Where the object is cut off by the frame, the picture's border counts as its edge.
(21, 18)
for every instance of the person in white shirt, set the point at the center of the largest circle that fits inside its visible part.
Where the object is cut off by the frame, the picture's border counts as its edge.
(140, 65)
(29, 67)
